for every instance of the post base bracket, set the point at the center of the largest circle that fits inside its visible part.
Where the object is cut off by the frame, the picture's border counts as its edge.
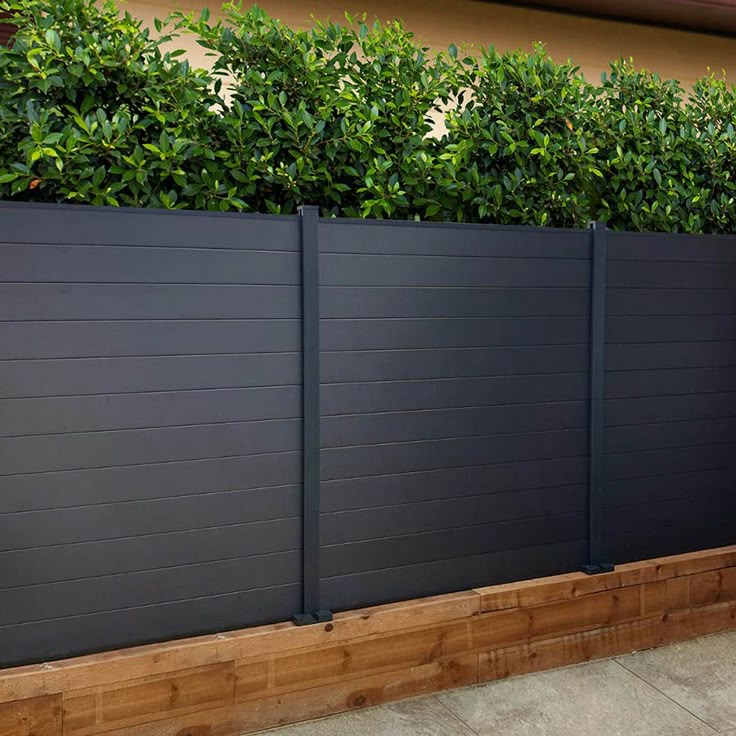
(322, 616)
(598, 569)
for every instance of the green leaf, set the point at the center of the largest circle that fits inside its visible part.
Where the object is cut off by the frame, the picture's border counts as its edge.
(53, 39)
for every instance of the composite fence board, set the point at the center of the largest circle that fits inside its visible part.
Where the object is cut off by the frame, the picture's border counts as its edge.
(62, 264)
(62, 225)
(448, 393)
(433, 576)
(345, 302)
(150, 417)
(136, 338)
(351, 429)
(436, 416)
(664, 355)
(168, 516)
(671, 407)
(144, 410)
(60, 302)
(173, 619)
(158, 549)
(394, 365)
(135, 483)
(33, 379)
(650, 409)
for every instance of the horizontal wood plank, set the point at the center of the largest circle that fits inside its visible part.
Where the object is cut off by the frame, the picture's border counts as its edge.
(88, 712)
(32, 717)
(320, 701)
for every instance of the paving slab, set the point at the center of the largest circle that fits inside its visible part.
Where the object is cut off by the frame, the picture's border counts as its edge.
(700, 675)
(420, 717)
(597, 699)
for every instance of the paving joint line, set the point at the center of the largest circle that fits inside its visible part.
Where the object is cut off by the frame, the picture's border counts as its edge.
(672, 700)
(455, 715)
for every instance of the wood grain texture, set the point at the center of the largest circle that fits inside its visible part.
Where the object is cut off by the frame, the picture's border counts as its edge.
(103, 708)
(539, 622)
(316, 702)
(605, 642)
(34, 717)
(246, 681)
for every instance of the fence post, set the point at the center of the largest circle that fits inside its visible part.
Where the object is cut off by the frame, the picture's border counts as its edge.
(311, 612)
(596, 472)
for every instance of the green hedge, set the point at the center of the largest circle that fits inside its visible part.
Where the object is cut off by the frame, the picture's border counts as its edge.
(360, 120)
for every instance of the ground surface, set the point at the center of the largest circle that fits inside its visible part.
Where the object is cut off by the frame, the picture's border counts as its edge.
(681, 690)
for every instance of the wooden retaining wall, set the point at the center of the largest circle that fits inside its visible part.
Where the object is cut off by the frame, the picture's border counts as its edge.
(249, 680)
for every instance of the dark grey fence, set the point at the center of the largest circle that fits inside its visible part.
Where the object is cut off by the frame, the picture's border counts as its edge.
(213, 421)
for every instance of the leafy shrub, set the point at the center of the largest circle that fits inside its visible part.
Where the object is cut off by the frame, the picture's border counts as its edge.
(516, 152)
(336, 116)
(92, 110)
(362, 121)
(647, 153)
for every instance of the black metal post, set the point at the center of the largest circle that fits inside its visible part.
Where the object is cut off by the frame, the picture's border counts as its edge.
(596, 479)
(311, 612)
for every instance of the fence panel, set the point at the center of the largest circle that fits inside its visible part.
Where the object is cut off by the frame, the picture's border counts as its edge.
(150, 446)
(670, 394)
(213, 421)
(454, 407)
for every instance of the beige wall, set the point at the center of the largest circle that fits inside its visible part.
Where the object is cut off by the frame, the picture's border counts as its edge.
(590, 43)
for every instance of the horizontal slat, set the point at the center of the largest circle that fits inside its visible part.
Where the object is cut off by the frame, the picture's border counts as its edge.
(38, 642)
(391, 521)
(670, 408)
(625, 384)
(146, 410)
(676, 539)
(80, 376)
(670, 247)
(140, 482)
(346, 559)
(132, 447)
(146, 301)
(25, 340)
(671, 460)
(449, 483)
(77, 225)
(338, 431)
(353, 398)
(670, 301)
(401, 334)
(693, 511)
(425, 238)
(112, 556)
(395, 365)
(670, 355)
(664, 488)
(376, 302)
(397, 270)
(348, 462)
(146, 588)
(145, 265)
(412, 581)
(670, 434)
(670, 274)
(135, 519)
(670, 329)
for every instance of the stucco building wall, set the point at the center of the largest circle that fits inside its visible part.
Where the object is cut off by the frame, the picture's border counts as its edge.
(591, 43)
